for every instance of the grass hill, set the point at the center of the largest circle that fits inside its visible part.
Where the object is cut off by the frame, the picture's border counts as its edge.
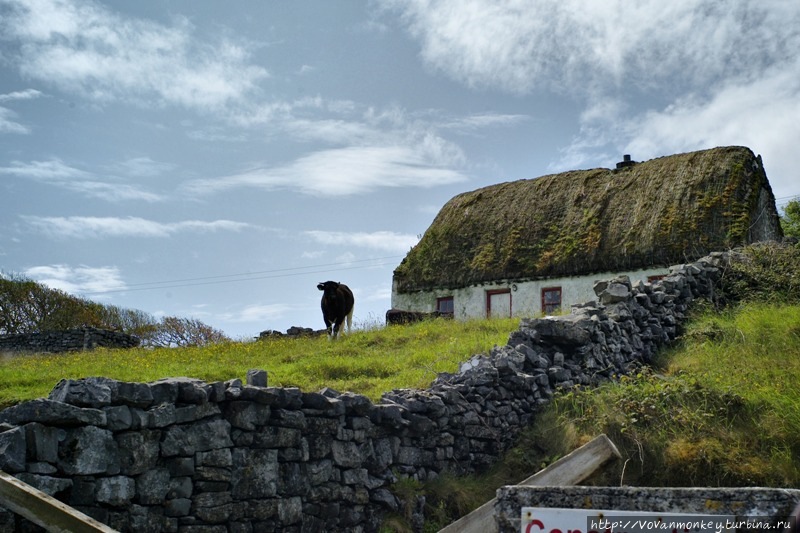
(369, 361)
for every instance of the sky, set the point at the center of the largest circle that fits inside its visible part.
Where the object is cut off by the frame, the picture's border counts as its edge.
(216, 160)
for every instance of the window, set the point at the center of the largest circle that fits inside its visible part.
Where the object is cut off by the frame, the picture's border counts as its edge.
(551, 300)
(445, 306)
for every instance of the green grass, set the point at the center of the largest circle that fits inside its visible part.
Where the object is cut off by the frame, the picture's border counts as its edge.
(721, 409)
(368, 362)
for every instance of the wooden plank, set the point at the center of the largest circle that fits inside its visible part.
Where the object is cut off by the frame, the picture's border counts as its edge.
(569, 470)
(44, 510)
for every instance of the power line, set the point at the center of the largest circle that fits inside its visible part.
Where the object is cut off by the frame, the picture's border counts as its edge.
(265, 271)
(789, 198)
(276, 273)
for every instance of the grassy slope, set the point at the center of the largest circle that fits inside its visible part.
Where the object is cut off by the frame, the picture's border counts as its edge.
(367, 362)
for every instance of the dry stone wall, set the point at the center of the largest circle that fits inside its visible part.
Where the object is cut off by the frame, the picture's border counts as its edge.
(182, 455)
(66, 341)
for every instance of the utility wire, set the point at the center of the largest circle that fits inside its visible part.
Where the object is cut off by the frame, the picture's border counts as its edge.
(778, 201)
(277, 273)
(264, 271)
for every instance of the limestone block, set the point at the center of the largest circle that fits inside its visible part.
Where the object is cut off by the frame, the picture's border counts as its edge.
(12, 450)
(255, 473)
(117, 491)
(152, 486)
(138, 451)
(188, 439)
(52, 413)
(88, 450)
(88, 392)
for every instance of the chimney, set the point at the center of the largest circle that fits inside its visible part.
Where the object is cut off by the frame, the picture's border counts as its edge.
(626, 162)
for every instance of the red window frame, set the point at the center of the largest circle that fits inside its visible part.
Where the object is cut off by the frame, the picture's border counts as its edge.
(548, 306)
(449, 304)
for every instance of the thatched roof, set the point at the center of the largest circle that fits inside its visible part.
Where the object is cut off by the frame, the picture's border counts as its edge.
(659, 212)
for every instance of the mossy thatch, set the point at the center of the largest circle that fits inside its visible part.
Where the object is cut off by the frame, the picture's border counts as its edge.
(659, 212)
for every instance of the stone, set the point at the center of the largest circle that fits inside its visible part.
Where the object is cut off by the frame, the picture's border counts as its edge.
(189, 439)
(47, 484)
(116, 491)
(256, 378)
(118, 417)
(290, 510)
(138, 451)
(178, 507)
(12, 450)
(88, 450)
(247, 415)
(255, 473)
(52, 413)
(385, 498)
(179, 487)
(346, 454)
(132, 394)
(277, 437)
(152, 486)
(356, 404)
(569, 330)
(88, 392)
(164, 391)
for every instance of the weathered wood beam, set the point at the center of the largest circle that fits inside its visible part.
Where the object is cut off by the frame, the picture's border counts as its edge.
(44, 510)
(569, 470)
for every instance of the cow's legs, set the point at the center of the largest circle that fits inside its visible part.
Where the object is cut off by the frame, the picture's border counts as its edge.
(349, 321)
(337, 326)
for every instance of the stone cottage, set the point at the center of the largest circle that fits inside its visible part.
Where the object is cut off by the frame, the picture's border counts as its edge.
(533, 246)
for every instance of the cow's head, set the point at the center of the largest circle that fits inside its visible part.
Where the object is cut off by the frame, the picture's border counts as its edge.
(329, 287)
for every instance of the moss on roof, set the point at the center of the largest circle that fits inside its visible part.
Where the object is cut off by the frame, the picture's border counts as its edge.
(658, 212)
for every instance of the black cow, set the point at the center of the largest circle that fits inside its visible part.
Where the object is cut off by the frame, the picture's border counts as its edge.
(337, 304)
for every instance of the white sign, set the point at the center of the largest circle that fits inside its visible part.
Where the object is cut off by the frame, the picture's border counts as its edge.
(556, 520)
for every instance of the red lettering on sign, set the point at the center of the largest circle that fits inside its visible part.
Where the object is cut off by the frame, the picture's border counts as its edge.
(537, 523)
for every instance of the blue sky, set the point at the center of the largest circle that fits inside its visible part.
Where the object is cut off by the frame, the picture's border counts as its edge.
(217, 160)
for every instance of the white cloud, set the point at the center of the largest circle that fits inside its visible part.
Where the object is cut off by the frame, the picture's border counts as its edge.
(316, 254)
(97, 227)
(368, 148)
(76, 280)
(51, 170)
(86, 48)
(345, 171)
(27, 94)
(8, 125)
(143, 167)
(581, 46)
(257, 313)
(378, 240)
(484, 120)
(377, 293)
(56, 172)
(763, 115)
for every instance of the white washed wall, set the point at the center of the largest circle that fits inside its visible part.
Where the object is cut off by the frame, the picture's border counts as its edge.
(526, 296)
